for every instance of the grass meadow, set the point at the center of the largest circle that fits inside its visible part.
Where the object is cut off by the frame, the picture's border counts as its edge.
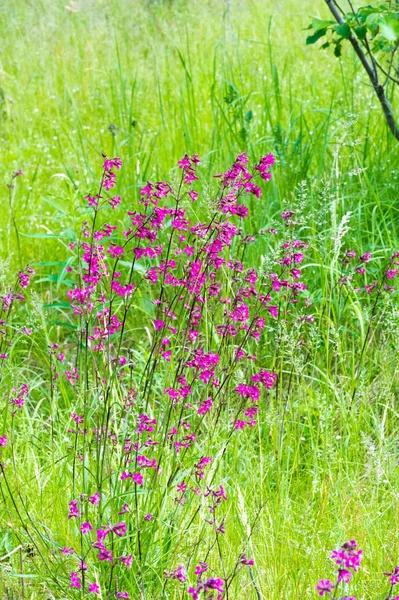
(150, 81)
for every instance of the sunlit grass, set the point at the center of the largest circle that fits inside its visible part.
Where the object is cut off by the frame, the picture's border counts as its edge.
(149, 81)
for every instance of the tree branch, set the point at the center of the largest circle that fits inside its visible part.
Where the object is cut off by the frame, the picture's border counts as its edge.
(371, 72)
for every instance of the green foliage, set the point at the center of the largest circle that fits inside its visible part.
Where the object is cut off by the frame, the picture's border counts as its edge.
(380, 22)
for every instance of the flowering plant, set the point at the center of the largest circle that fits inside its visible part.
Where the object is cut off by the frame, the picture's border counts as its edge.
(165, 368)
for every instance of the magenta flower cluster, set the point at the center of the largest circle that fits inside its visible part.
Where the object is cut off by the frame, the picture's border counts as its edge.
(154, 438)
(348, 559)
(162, 373)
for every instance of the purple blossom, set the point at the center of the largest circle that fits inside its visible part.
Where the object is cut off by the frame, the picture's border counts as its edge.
(75, 581)
(105, 555)
(365, 258)
(73, 509)
(127, 561)
(393, 575)
(95, 499)
(110, 163)
(179, 573)
(325, 586)
(344, 575)
(94, 588)
(125, 509)
(86, 527)
(138, 478)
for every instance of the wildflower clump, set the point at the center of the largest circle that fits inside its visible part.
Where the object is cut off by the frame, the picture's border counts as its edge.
(347, 558)
(161, 375)
(174, 354)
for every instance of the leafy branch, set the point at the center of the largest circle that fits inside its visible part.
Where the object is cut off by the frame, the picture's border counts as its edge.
(373, 33)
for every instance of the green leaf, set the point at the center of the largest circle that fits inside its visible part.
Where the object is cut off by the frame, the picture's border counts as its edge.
(338, 50)
(389, 29)
(361, 32)
(373, 21)
(343, 30)
(57, 305)
(62, 324)
(45, 236)
(137, 267)
(55, 205)
(312, 39)
(183, 62)
(48, 263)
(318, 24)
